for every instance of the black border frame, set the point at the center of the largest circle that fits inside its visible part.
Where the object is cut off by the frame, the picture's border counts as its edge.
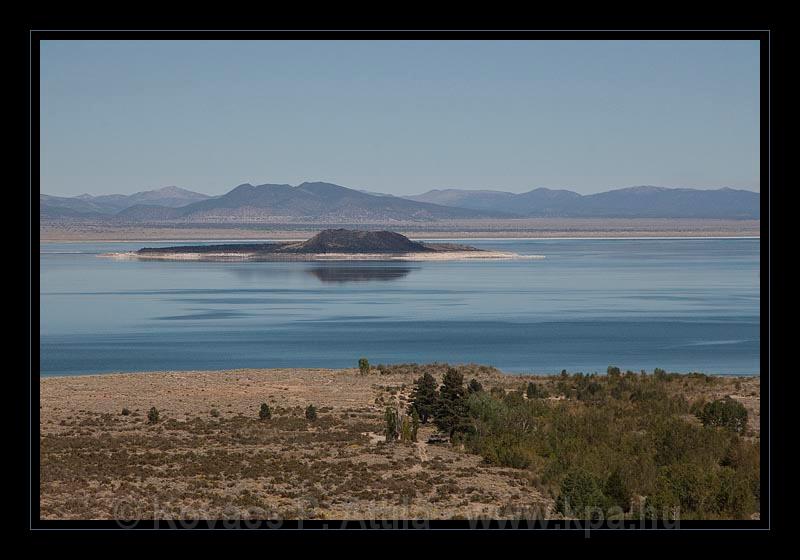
(768, 134)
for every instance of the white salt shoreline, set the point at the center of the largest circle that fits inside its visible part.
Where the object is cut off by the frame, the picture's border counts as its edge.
(255, 257)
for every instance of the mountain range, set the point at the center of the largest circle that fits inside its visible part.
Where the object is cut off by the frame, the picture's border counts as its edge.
(326, 202)
(110, 204)
(631, 202)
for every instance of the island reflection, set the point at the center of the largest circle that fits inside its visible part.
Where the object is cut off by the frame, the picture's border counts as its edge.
(343, 274)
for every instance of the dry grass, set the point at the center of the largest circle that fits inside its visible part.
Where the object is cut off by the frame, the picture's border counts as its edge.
(97, 463)
(95, 460)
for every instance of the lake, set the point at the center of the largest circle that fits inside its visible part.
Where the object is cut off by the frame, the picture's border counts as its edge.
(679, 304)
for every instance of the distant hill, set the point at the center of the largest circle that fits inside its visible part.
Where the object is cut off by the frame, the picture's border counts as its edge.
(322, 202)
(328, 203)
(543, 201)
(633, 202)
(87, 205)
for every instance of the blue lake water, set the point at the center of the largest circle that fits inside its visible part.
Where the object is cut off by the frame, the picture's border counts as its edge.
(679, 304)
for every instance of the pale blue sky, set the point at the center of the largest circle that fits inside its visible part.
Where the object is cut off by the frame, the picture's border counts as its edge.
(398, 117)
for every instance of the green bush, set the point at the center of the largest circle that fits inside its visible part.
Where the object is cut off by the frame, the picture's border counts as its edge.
(534, 391)
(612, 440)
(581, 497)
(501, 452)
(662, 503)
(311, 412)
(617, 490)
(265, 412)
(734, 497)
(474, 386)
(363, 366)
(391, 427)
(152, 415)
(414, 424)
(406, 430)
(514, 398)
(725, 413)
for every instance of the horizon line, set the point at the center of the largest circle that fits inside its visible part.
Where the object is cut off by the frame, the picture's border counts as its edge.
(366, 191)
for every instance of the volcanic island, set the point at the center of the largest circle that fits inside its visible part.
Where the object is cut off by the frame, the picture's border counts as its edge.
(328, 245)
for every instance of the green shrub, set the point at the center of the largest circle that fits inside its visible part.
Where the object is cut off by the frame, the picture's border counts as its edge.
(514, 398)
(474, 386)
(613, 439)
(391, 427)
(311, 412)
(152, 415)
(734, 498)
(265, 413)
(363, 366)
(662, 503)
(581, 496)
(501, 452)
(405, 430)
(617, 490)
(725, 413)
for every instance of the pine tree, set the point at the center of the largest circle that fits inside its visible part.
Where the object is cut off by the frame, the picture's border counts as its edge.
(450, 414)
(424, 397)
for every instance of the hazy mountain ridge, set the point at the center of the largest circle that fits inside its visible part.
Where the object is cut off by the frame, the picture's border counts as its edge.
(111, 204)
(307, 201)
(326, 202)
(631, 202)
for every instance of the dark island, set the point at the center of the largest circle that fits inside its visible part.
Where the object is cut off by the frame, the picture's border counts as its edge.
(330, 244)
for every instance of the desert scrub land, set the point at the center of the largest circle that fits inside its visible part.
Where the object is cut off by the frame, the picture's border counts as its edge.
(201, 445)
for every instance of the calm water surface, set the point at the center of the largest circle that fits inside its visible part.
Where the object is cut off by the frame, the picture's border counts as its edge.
(680, 304)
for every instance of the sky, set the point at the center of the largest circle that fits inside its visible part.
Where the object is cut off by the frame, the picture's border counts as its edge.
(399, 117)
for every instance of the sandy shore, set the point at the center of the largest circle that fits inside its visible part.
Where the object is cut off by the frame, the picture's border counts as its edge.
(238, 257)
(210, 455)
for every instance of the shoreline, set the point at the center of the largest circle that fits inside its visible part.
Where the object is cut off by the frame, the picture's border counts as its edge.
(533, 228)
(478, 235)
(505, 374)
(320, 257)
(518, 238)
